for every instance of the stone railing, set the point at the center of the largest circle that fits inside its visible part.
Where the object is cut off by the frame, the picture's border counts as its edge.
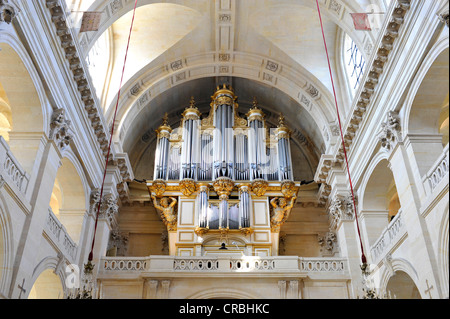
(388, 237)
(439, 170)
(250, 264)
(58, 234)
(10, 169)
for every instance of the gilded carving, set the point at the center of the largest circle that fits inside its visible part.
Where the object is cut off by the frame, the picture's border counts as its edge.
(223, 186)
(259, 187)
(158, 187)
(288, 189)
(167, 211)
(187, 187)
(281, 212)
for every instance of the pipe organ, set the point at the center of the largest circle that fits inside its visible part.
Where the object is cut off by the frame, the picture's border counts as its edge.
(225, 171)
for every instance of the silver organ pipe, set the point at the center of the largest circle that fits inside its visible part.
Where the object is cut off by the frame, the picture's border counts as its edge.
(241, 171)
(203, 205)
(162, 150)
(284, 152)
(174, 161)
(257, 148)
(223, 213)
(223, 134)
(190, 152)
(244, 206)
(205, 170)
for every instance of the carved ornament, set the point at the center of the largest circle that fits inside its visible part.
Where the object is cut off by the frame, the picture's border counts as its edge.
(187, 187)
(259, 187)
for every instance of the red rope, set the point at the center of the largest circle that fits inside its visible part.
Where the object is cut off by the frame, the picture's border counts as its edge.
(91, 254)
(363, 257)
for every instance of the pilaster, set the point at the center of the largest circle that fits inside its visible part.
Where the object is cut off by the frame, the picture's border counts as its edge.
(49, 159)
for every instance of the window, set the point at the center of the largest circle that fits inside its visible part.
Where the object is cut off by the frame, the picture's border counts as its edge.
(354, 63)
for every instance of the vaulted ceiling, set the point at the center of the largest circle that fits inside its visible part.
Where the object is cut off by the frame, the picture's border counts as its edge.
(269, 49)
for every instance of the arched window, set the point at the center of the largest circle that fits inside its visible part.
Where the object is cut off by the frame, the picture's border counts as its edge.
(355, 64)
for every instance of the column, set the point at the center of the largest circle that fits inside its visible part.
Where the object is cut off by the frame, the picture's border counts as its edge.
(49, 159)
(410, 157)
(409, 190)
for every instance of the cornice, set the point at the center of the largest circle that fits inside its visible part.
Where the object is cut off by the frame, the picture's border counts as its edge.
(368, 88)
(81, 78)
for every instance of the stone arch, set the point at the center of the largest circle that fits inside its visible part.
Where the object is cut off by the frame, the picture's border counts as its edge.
(70, 199)
(48, 280)
(401, 286)
(426, 109)
(22, 101)
(6, 249)
(407, 273)
(378, 200)
(138, 138)
(319, 108)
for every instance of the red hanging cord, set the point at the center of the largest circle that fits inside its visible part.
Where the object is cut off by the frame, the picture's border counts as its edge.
(91, 254)
(363, 257)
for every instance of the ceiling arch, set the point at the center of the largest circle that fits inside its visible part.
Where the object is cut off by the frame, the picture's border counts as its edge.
(138, 140)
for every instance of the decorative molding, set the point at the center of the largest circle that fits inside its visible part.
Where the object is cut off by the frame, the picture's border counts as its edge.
(328, 242)
(340, 209)
(368, 88)
(390, 133)
(109, 209)
(60, 130)
(8, 11)
(443, 17)
(68, 45)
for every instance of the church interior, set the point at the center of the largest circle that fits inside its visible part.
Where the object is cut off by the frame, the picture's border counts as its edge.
(224, 149)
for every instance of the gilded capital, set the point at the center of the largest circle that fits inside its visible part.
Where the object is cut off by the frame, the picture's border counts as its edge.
(187, 187)
(259, 187)
(223, 186)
